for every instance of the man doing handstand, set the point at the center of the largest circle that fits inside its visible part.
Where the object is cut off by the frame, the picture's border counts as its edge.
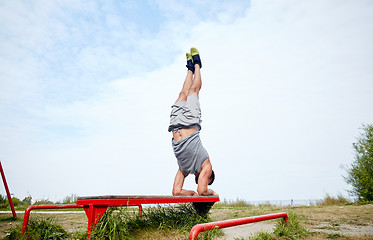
(185, 124)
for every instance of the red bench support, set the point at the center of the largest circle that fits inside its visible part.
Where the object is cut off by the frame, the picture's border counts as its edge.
(233, 222)
(95, 207)
(32, 207)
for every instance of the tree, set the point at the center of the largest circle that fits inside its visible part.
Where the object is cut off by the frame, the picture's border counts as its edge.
(3, 201)
(360, 175)
(27, 200)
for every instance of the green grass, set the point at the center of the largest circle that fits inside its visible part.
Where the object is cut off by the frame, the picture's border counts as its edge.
(120, 224)
(238, 203)
(329, 200)
(38, 229)
(262, 236)
(8, 219)
(291, 230)
(334, 236)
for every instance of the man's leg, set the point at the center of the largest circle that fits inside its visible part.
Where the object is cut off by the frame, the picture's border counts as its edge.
(186, 86)
(188, 79)
(196, 83)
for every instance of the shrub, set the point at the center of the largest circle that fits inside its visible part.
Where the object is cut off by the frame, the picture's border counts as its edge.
(3, 202)
(70, 199)
(2, 199)
(360, 175)
(43, 202)
(15, 201)
(27, 200)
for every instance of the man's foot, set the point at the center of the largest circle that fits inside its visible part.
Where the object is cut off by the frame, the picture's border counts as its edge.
(196, 57)
(190, 64)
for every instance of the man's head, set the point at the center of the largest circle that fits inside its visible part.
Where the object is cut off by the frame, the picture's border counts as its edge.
(211, 178)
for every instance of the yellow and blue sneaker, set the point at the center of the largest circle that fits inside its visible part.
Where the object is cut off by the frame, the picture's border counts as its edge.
(190, 64)
(196, 57)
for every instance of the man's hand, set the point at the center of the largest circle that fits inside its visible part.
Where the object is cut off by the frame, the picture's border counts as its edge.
(184, 192)
(213, 193)
(209, 192)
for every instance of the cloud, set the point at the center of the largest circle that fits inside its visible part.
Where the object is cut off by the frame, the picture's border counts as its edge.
(285, 87)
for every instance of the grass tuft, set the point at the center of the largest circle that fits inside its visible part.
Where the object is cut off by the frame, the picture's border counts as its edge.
(262, 236)
(329, 200)
(212, 234)
(8, 219)
(121, 224)
(238, 203)
(334, 236)
(38, 229)
(291, 230)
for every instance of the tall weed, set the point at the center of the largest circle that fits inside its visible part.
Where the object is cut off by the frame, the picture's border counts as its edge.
(329, 200)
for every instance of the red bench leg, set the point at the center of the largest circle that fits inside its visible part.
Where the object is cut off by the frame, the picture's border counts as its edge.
(94, 213)
(140, 210)
(32, 207)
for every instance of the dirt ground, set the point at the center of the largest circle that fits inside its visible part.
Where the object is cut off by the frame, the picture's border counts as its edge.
(326, 222)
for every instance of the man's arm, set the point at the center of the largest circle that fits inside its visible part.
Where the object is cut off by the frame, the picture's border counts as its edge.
(203, 190)
(178, 185)
(203, 179)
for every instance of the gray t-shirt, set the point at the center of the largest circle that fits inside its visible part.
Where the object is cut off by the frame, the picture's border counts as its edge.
(190, 153)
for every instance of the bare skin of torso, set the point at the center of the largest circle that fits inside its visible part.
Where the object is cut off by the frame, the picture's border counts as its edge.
(180, 134)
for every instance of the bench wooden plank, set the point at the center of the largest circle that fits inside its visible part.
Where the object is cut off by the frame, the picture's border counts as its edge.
(146, 197)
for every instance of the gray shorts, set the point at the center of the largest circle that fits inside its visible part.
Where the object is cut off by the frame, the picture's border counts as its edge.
(190, 153)
(186, 114)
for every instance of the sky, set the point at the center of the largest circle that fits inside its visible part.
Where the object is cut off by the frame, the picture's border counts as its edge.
(87, 88)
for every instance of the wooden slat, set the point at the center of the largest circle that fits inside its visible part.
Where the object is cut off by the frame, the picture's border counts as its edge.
(144, 197)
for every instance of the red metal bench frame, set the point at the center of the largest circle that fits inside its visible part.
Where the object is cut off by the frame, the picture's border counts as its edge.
(233, 222)
(33, 207)
(95, 207)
